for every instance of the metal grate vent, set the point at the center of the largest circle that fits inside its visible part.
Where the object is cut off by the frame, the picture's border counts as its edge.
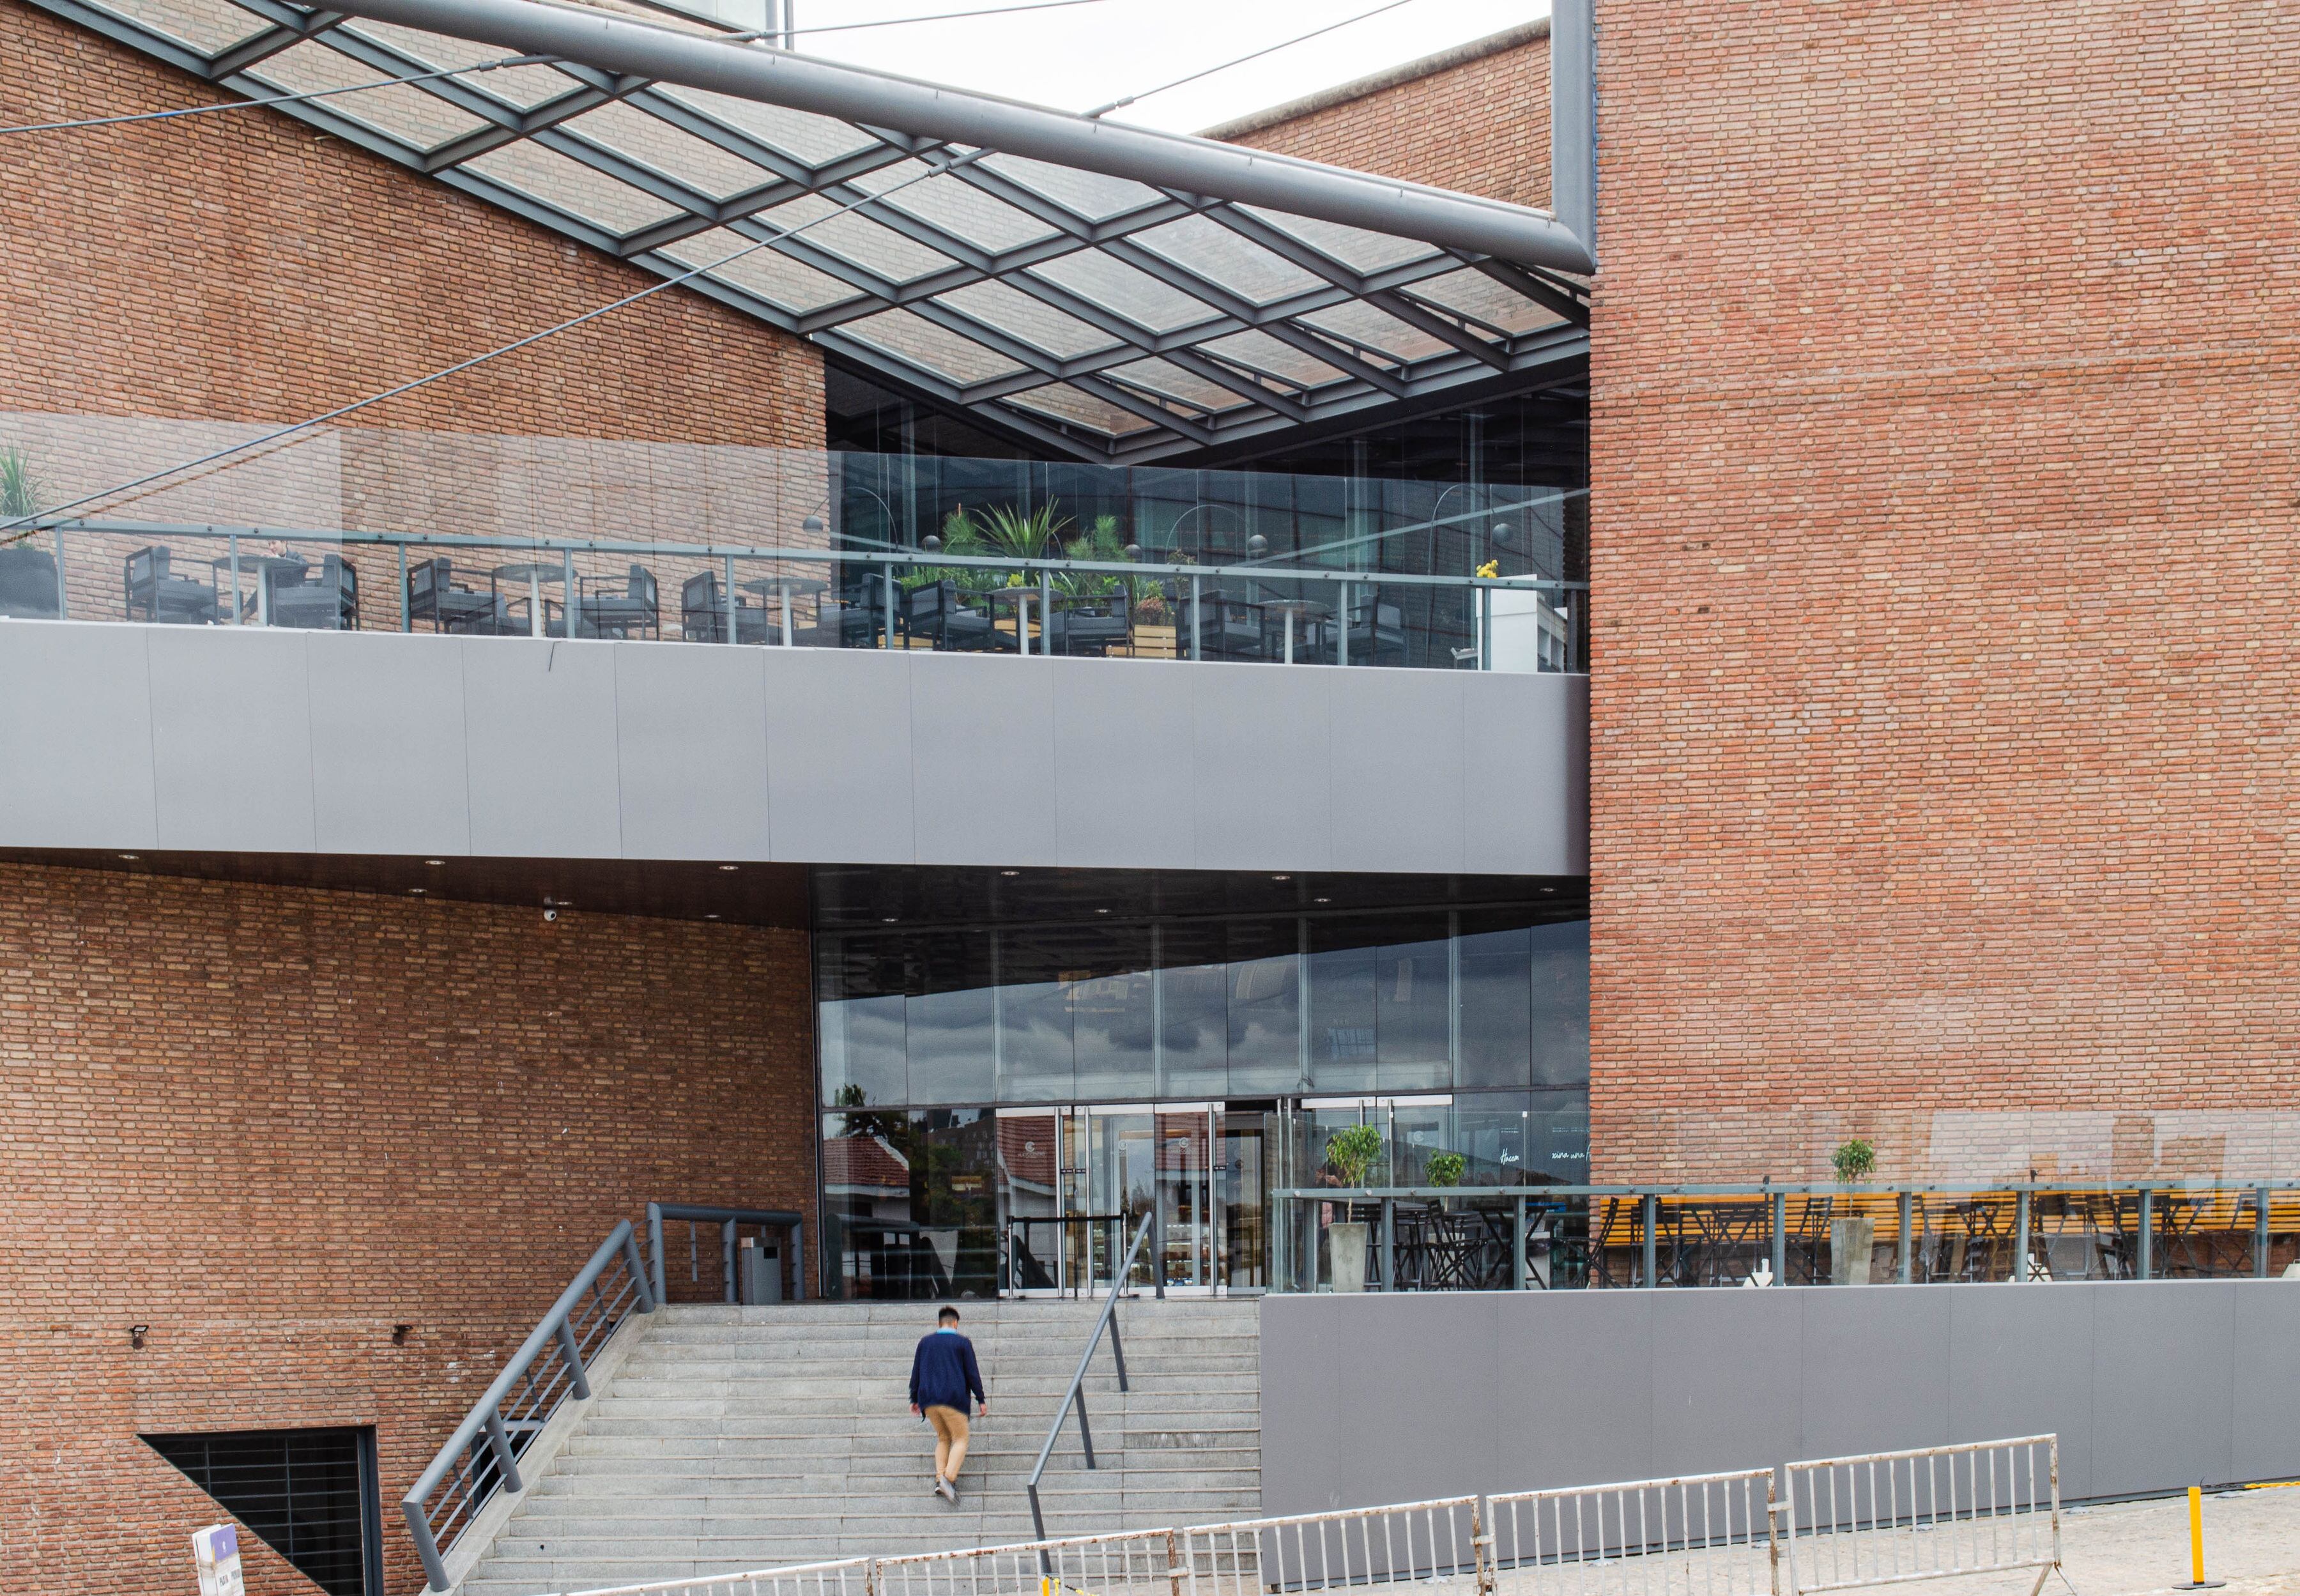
(309, 1494)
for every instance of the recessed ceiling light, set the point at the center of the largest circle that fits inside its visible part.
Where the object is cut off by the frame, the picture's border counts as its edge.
(1325, 900)
(731, 867)
(1010, 873)
(711, 917)
(132, 858)
(435, 861)
(887, 920)
(1102, 911)
(1281, 877)
(417, 891)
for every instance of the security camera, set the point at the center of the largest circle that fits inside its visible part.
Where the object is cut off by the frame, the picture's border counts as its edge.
(550, 914)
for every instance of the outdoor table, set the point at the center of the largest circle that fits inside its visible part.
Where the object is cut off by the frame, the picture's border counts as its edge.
(265, 566)
(1022, 599)
(783, 587)
(534, 575)
(1306, 609)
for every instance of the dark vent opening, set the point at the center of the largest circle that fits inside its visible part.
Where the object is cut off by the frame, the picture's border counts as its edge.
(309, 1494)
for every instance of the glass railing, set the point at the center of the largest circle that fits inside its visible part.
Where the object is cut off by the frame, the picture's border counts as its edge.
(355, 528)
(1446, 1238)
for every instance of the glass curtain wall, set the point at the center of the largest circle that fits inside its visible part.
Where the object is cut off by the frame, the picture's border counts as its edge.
(1014, 1080)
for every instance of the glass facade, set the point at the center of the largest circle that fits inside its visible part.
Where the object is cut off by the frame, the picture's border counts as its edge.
(1019, 1069)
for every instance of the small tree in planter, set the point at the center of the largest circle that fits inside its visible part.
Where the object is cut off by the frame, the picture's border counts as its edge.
(1446, 1169)
(1352, 1152)
(1852, 1237)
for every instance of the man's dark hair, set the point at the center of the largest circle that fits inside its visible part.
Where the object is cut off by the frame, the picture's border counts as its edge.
(949, 1315)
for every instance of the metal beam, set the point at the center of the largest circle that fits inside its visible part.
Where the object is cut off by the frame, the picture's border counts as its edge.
(1160, 160)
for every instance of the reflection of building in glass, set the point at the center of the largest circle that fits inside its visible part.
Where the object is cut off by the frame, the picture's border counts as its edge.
(1172, 1046)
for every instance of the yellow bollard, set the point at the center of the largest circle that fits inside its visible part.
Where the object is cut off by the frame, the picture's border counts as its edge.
(2196, 1580)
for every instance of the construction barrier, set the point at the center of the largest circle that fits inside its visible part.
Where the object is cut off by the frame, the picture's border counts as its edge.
(1696, 1536)
(1847, 1523)
(1890, 1517)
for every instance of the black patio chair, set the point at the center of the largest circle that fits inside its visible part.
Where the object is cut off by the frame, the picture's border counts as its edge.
(703, 614)
(324, 601)
(1217, 626)
(1092, 623)
(932, 612)
(155, 594)
(433, 596)
(1376, 629)
(632, 610)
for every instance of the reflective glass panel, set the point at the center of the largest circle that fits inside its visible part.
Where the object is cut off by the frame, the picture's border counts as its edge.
(1412, 1001)
(572, 186)
(1265, 1007)
(407, 113)
(207, 26)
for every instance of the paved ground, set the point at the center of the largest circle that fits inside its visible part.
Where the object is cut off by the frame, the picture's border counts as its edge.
(2252, 1540)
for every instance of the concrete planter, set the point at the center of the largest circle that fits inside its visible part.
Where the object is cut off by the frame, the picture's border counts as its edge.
(1346, 1244)
(1851, 1244)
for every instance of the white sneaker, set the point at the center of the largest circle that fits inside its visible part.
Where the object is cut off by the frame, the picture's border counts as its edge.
(946, 1491)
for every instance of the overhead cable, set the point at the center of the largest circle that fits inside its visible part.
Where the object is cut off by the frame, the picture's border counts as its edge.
(1241, 61)
(284, 99)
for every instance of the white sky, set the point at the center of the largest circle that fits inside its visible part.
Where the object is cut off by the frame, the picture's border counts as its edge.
(1087, 55)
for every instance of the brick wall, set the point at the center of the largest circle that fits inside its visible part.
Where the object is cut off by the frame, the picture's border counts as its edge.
(1945, 488)
(1480, 125)
(244, 266)
(272, 1123)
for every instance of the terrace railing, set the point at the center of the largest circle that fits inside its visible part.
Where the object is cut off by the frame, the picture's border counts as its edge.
(1496, 1237)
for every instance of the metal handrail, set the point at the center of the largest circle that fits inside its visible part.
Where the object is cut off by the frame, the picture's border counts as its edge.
(728, 1219)
(1075, 1394)
(485, 1415)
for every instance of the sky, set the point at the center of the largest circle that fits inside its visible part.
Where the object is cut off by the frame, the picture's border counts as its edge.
(1082, 56)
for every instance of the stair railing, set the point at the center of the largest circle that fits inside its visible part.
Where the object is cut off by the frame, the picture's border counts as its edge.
(729, 1220)
(481, 1458)
(1076, 1396)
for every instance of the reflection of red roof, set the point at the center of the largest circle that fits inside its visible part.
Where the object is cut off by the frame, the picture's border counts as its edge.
(1026, 1149)
(851, 1161)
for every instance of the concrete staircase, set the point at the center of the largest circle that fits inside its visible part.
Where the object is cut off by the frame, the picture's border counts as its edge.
(734, 1438)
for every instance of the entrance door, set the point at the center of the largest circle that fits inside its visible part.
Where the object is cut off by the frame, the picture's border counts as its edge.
(1143, 1161)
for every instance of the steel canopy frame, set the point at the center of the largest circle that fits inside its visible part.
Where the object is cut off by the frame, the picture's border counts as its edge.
(1127, 333)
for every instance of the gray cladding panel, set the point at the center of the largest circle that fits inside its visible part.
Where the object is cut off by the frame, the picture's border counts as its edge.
(231, 739)
(388, 764)
(76, 737)
(2150, 1387)
(273, 742)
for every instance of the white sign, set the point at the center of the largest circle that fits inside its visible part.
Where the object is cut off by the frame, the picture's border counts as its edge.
(216, 1550)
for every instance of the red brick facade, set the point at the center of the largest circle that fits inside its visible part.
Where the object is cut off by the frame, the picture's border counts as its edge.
(244, 266)
(1480, 125)
(271, 1124)
(1944, 488)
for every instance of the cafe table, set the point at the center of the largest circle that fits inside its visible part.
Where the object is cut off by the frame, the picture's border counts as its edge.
(535, 574)
(782, 588)
(1306, 610)
(267, 567)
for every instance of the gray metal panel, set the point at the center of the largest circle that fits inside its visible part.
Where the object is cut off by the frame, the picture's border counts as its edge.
(692, 742)
(1262, 747)
(982, 758)
(1852, 1333)
(76, 736)
(231, 738)
(1753, 1416)
(388, 765)
(1124, 784)
(1571, 1424)
(539, 727)
(1397, 759)
(1525, 787)
(2021, 1360)
(1573, 118)
(2264, 1436)
(2162, 1394)
(838, 756)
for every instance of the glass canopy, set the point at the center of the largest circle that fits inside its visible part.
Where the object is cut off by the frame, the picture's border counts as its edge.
(1103, 318)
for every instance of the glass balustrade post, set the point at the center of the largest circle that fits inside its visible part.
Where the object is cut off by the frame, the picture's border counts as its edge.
(1649, 1220)
(888, 573)
(2259, 1232)
(728, 600)
(405, 624)
(2021, 1238)
(1908, 1239)
(567, 594)
(64, 612)
(1046, 612)
(2146, 1264)
(233, 550)
(1197, 620)
(1342, 625)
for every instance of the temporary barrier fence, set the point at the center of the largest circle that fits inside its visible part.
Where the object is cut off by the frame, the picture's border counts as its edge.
(1891, 1517)
(1847, 1523)
(1698, 1536)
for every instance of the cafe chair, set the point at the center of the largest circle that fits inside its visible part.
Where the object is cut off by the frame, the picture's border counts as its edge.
(702, 612)
(155, 594)
(433, 596)
(633, 612)
(326, 602)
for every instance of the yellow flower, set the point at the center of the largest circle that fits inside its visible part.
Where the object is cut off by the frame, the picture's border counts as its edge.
(1490, 568)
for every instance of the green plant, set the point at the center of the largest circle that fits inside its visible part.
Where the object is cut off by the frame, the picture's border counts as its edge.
(1353, 1152)
(1853, 1160)
(1032, 535)
(20, 489)
(962, 537)
(1445, 1168)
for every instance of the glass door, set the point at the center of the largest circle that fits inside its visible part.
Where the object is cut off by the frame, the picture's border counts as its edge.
(1031, 1201)
(1241, 1198)
(1143, 1161)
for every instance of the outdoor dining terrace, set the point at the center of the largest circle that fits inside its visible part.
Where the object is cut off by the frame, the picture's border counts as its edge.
(559, 539)
(1546, 1238)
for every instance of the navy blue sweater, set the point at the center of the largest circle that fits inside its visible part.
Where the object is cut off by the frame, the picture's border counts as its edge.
(943, 1372)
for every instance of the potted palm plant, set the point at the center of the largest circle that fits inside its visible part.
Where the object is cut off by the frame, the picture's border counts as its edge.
(1351, 1153)
(28, 574)
(1852, 1237)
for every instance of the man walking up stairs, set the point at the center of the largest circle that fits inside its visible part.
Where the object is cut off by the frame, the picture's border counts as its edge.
(943, 1375)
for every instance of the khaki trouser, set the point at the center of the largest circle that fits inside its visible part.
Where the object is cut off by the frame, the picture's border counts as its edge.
(950, 1440)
